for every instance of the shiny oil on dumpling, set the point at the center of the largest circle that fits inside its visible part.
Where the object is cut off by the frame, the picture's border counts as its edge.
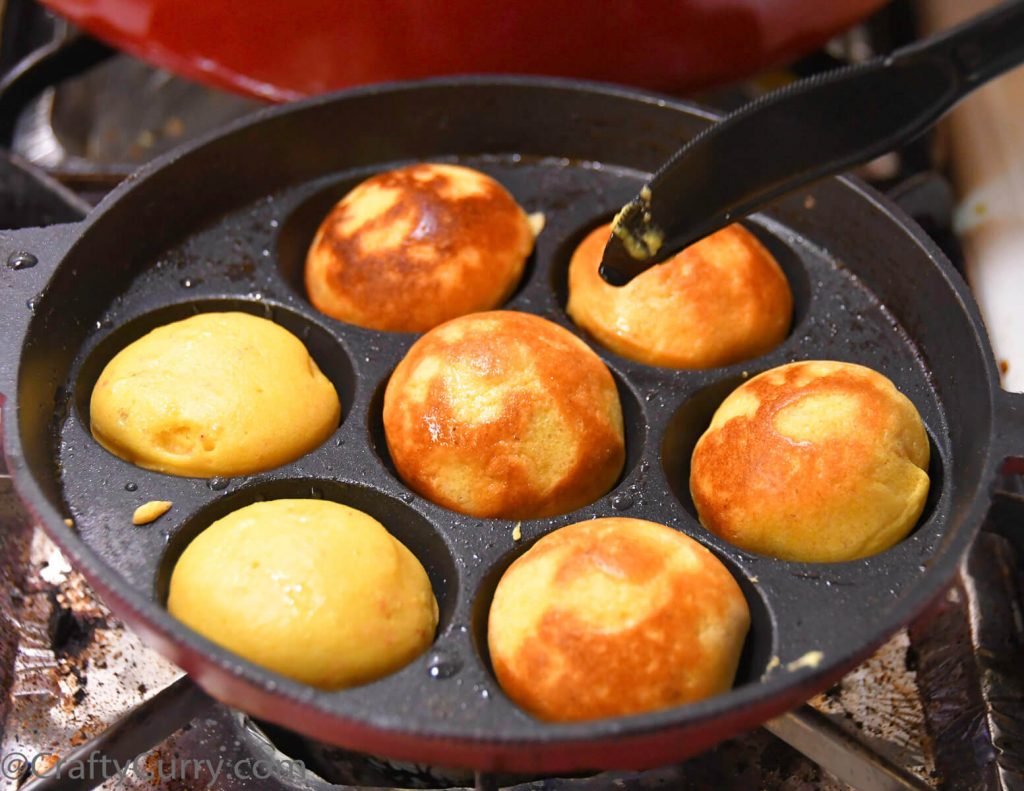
(216, 394)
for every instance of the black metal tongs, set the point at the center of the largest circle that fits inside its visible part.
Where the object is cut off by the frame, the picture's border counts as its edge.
(806, 131)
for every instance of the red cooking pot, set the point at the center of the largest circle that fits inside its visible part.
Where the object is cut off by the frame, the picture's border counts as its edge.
(285, 50)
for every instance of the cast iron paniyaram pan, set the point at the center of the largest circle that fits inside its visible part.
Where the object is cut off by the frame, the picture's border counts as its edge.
(225, 223)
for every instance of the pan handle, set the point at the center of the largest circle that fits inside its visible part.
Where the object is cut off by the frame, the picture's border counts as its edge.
(28, 259)
(1010, 431)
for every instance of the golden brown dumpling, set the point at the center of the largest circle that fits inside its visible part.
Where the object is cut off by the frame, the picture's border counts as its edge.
(615, 616)
(719, 301)
(504, 414)
(813, 461)
(411, 248)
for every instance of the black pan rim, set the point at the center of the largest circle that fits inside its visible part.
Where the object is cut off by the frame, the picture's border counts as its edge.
(159, 627)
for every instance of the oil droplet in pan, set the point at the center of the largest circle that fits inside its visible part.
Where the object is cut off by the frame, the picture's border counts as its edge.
(443, 664)
(622, 502)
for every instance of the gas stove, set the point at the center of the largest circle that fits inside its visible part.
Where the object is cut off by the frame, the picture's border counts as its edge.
(941, 705)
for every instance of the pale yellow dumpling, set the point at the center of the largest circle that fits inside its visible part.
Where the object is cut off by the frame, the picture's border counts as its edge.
(311, 589)
(816, 461)
(214, 394)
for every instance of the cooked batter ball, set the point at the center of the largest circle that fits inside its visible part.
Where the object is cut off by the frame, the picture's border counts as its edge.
(504, 414)
(615, 616)
(217, 394)
(719, 301)
(311, 589)
(411, 248)
(813, 461)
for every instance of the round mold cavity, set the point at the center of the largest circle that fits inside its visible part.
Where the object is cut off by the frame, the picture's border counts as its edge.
(559, 270)
(692, 419)
(634, 424)
(403, 522)
(758, 648)
(792, 265)
(299, 228)
(330, 356)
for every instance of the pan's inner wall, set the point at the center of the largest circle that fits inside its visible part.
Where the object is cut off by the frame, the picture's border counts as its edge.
(228, 224)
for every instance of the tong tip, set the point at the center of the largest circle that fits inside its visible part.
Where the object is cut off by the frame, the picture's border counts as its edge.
(635, 241)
